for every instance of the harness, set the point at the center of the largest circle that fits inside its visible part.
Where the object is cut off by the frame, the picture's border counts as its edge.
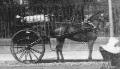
(83, 28)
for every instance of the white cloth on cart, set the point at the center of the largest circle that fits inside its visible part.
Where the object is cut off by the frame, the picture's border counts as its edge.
(36, 18)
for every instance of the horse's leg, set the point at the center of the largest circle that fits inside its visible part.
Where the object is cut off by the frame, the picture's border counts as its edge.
(57, 52)
(60, 42)
(90, 46)
(62, 58)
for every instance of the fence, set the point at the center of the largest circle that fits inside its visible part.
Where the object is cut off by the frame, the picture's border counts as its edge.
(9, 24)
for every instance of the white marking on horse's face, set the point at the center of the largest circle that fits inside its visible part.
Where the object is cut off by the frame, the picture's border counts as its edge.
(102, 14)
(27, 31)
(17, 16)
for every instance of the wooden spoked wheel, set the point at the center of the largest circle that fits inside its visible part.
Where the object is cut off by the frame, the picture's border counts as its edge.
(27, 47)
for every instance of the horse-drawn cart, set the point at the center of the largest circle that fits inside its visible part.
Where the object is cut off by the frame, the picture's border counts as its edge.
(28, 44)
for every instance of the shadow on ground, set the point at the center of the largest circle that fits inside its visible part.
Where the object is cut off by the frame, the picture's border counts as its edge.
(52, 61)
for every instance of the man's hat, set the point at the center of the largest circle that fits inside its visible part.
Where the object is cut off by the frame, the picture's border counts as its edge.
(111, 46)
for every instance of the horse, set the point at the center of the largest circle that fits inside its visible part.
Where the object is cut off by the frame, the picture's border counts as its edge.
(75, 32)
(80, 32)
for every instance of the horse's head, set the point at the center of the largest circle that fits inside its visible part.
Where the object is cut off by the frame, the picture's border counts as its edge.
(97, 19)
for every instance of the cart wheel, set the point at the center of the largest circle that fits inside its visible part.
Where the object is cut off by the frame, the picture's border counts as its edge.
(26, 51)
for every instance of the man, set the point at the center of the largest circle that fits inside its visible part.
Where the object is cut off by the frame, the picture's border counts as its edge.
(111, 51)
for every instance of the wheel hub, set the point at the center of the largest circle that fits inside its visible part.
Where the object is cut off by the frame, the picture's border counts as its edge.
(28, 48)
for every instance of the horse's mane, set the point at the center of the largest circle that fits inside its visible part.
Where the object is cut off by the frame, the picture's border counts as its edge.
(94, 15)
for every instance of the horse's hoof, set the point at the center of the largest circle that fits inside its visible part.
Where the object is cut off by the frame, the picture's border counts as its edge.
(90, 59)
(62, 61)
(58, 61)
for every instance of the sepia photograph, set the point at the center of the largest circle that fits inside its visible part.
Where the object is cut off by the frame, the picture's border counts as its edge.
(59, 34)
